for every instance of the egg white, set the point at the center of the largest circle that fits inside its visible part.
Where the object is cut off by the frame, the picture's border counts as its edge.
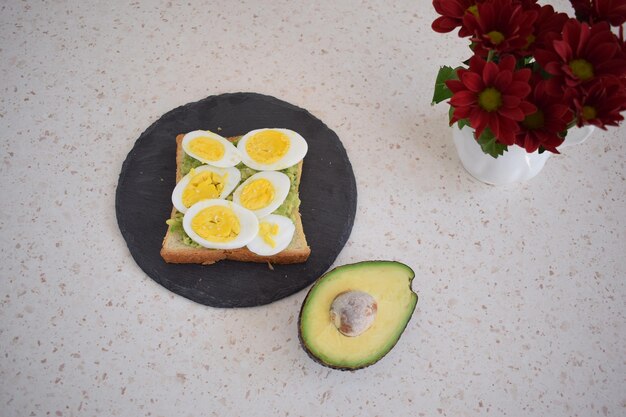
(233, 176)
(281, 185)
(231, 155)
(298, 148)
(249, 224)
(286, 230)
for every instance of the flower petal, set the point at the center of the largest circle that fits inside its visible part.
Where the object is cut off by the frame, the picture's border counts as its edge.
(531, 144)
(445, 24)
(477, 64)
(571, 32)
(462, 112)
(613, 66)
(508, 129)
(563, 49)
(494, 124)
(583, 38)
(463, 98)
(449, 8)
(514, 113)
(489, 73)
(503, 79)
(527, 108)
(518, 88)
(545, 56)
(455, 85)
(522, 75)
(507, 63)
(554, 86)
(473, 82)
(478, 120)
(602, 52)
(553, 67)
(510, 101)
(486, 13)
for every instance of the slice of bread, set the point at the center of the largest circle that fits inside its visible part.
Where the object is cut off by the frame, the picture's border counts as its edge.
(175, 251)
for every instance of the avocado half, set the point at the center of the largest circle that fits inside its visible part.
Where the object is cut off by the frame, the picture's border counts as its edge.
(388, 283)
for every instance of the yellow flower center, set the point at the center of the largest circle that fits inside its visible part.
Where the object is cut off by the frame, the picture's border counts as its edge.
(534, 121)
(589, 113)
(529, 40)
(473, 9)
(490, 99)
(496, 37)
(582, 69)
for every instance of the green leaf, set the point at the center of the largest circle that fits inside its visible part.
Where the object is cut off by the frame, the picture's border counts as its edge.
(538, 68)
(442, 92)
(490, 145)
(463, 122)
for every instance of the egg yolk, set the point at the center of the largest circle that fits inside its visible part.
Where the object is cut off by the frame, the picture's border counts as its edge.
(203, 186)
(216, 224)
(257, 194)
(207, 148)
(268, 231)
(267, 146)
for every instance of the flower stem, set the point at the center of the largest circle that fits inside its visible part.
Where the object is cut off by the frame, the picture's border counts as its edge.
(490, 55)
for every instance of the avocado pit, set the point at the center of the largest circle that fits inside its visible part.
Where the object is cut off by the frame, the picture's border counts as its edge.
(353, 312)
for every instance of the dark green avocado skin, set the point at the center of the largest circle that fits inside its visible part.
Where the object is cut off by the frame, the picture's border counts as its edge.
(345, 368)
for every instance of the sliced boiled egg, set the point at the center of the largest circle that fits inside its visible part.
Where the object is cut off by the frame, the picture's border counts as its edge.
(211, 148)
(220, 224)
(263, 192)
(204, 183)
(275, 234)
(272, 149)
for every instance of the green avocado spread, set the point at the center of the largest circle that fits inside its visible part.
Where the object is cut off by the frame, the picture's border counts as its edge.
(289, 208)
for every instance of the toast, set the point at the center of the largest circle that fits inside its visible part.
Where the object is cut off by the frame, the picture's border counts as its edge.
(174, 250)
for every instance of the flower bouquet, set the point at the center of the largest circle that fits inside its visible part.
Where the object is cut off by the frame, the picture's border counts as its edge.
(534, 73)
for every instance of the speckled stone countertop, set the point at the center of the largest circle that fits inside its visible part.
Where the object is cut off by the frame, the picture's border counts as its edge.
(522, 288)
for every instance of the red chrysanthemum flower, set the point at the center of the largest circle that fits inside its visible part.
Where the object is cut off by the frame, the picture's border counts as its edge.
(500, 25)
(547, 27)
(602, 103)
(593, 11)
(452, 13)
(582, 55)
(544, 127)
(492, 95)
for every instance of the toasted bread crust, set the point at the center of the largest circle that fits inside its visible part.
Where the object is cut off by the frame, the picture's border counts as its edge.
(175, 251)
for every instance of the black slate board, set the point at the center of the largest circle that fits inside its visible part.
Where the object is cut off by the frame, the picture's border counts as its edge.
(143, 203)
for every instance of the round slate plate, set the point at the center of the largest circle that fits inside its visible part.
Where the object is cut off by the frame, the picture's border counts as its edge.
(143, 203)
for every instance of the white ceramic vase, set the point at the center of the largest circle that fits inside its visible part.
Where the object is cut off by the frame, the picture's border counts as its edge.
(514, 165)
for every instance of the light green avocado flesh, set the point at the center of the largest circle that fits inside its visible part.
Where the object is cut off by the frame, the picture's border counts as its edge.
(289, 208)
(388, 282)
